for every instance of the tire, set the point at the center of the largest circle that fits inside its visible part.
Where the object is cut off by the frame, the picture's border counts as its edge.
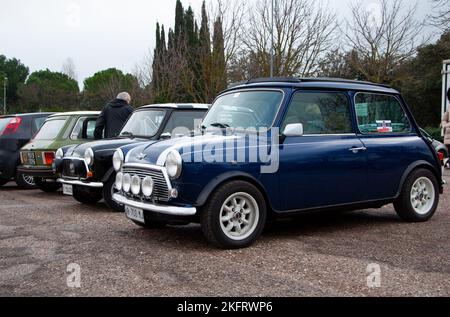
(108, 190)
(86, 196)
(24, 181)
(47, 187)
(151, 225)
(223, 232)
(419, 198)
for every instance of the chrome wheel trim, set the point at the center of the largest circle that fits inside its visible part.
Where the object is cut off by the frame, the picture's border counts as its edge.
(239, 216)
(423, 196)
(29, 180)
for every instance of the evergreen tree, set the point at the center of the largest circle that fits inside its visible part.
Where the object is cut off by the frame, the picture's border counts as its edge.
(179, 22)
(205, 57)
(218, 56)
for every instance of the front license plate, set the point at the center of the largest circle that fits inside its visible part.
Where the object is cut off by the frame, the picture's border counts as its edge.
(135, 214)
(68, 190)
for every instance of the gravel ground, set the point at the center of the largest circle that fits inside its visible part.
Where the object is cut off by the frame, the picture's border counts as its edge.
(314, 255)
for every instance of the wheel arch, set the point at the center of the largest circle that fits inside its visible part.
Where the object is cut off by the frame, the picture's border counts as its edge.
(417, 165)
(229, 177)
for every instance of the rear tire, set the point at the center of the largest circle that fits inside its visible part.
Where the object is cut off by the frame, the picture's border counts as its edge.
(108, 191)
(47, 187)
(24, 181)
(419, 198)
(234, 216)
(86, 196)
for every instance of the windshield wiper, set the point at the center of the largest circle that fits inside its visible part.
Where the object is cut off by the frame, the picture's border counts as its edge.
(220, 125)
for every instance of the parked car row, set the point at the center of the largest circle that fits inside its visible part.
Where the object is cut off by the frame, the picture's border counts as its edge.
(266, 148)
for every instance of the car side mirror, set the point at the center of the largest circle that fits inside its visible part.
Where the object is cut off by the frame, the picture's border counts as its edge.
(293, 130)
(166, 136)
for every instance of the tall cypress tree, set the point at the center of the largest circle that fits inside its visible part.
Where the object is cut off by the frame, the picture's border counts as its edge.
(179, 22)
(205, 57)
(218, 56)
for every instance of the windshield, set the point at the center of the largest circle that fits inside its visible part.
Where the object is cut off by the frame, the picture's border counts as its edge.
(244, 110)
(144, 123)
(51, 129)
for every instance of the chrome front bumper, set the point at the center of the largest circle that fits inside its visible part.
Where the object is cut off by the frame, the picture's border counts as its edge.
(80, 183)
(166, 210)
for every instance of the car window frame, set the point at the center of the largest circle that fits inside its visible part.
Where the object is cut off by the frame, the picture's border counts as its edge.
(402, 106)
(343, 92)
(158, 133)
(176, 111)
(63, 128)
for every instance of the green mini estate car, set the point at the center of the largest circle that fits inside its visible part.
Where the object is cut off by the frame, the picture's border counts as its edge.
(71, 128)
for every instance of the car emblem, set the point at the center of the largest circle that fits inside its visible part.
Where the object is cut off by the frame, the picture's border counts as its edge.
(141, 156)
(72, 168)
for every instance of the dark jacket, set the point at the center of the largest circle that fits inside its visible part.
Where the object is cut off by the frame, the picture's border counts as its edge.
(112, 119)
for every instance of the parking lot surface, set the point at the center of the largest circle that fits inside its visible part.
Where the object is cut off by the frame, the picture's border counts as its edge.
(44, 235)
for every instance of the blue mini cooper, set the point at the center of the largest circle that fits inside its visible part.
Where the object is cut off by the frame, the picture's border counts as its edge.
(273, 147)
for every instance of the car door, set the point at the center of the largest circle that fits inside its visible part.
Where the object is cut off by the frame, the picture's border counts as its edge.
(327, 165)
(387, 133)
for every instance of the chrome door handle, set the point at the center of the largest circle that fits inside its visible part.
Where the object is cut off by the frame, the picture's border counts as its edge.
(356, 150)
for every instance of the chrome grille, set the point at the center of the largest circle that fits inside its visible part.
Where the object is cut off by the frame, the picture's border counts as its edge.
(161, 189)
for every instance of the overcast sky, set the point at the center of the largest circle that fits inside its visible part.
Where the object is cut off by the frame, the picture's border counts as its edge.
(96, 34)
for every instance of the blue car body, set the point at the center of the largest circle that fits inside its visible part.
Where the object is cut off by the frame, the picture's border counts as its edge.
(315, 171)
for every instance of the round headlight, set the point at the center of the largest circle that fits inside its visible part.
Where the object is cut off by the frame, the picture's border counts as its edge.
(59, 154)
(119, 180)
(118, 160)
(174, 164)
(135, 185)
(89, 156)
(147, 186)
(126, 183)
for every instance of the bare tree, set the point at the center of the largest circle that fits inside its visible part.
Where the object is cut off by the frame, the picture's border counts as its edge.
(383, 37)
(303, 33)
(441, 14)
(68, 68)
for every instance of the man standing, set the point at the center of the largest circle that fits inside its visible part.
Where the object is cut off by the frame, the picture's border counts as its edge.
(114, 116)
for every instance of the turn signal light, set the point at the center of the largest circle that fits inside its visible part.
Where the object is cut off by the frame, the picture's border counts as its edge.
(49, 157)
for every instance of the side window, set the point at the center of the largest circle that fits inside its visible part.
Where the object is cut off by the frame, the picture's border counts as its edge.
(320, 113)
(379, 114)
(37, 124)
(84, 129)
(183, 121)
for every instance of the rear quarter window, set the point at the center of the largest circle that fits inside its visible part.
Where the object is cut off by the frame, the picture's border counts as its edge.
(51, 129)
(380, 114)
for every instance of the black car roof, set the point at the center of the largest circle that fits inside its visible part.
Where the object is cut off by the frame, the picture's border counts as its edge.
(314, 83)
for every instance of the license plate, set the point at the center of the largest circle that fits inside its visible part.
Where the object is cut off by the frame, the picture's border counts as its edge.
(135, 214)
(30, 158)
(68, 190)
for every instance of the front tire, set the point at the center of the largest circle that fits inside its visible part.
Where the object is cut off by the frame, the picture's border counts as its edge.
(47, 187)
(419, 198)
(24, 181)
(234, 216)
(86, 196)
(108, 191)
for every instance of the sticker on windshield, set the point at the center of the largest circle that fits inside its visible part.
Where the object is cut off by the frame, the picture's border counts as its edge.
(384, 126)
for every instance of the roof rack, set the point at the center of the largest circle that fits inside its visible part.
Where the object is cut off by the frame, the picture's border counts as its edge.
(305, 80)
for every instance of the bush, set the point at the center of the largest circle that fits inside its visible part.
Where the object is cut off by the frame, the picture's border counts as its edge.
(436, 133)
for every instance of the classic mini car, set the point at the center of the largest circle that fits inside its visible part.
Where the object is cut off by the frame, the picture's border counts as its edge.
(87, 170)
(15, 132)
(277, 147)
(58, 130)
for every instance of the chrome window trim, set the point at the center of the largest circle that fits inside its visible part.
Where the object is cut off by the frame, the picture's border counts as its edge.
(382, 134)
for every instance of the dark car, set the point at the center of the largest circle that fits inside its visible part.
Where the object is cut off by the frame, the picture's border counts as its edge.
(280, 147)
(87, 170)
(15, 132)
